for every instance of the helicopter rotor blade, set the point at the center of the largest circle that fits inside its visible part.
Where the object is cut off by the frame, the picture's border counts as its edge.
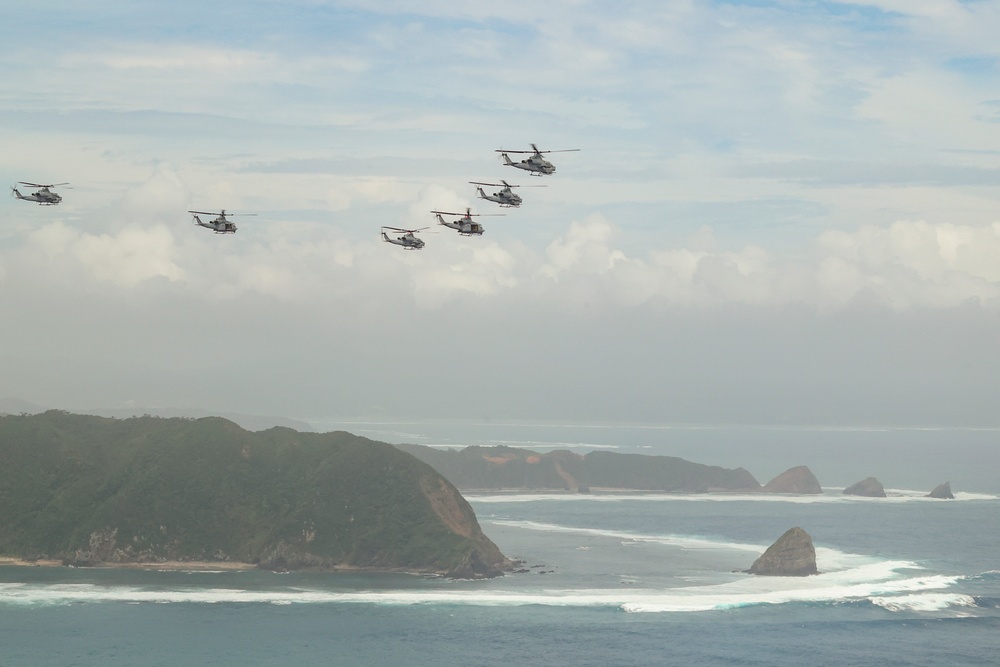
(407, 231)
(223, 213)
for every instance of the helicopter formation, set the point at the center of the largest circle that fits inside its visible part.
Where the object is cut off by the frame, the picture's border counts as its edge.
(463, 223)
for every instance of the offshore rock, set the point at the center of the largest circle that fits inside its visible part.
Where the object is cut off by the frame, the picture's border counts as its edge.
(794, 480)
(793, 555)
(868, 487)
(942, 491)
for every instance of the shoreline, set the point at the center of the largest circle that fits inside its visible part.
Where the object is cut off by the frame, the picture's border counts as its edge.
(211, 566)
(173, 565)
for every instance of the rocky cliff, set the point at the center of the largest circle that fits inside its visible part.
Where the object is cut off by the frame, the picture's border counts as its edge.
(793, 555)
(794, 480)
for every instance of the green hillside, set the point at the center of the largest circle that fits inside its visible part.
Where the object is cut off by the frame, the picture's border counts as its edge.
(89, 490)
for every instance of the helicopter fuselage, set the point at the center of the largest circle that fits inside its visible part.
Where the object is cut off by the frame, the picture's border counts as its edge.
(408, 241)
(505, 197)
(535, 165)
(43, 197)
(219, 225)
(465, 226)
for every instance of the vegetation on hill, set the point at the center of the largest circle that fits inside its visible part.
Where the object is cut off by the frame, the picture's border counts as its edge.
(89, 490)
(514, 468)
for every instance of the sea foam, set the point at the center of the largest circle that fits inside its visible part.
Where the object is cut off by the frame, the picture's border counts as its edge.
(832, 495)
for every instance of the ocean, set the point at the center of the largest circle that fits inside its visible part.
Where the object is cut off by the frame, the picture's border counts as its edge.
(612, 579)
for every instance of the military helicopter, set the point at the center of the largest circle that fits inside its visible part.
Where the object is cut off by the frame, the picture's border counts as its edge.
(220, 224)
(408, 240)
(464, 225)
(43, 196)
(535, 165)
(505, 197)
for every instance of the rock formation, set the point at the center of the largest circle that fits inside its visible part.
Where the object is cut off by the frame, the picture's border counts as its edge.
(793, 555)
(794, 480)
(869, 487)
(942, 491)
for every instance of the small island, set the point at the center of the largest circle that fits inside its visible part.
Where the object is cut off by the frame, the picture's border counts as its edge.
(942, 492)
(869, 487)
(792, 555)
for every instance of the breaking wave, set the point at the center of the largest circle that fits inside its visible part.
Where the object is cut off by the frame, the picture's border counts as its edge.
(832, 495)
(914, 595)
(891, 585)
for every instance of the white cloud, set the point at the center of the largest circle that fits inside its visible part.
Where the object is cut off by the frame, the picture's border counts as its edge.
(126, 259)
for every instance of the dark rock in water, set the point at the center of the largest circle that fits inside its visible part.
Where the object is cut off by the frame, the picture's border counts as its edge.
(869, 487)
(942, 491)
(793, 555)
(794, 480)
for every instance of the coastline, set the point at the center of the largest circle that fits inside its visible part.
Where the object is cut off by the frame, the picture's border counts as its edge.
(211, 566)
(174, 565)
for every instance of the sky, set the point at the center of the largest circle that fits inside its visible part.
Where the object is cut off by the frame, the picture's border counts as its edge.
(781, 212)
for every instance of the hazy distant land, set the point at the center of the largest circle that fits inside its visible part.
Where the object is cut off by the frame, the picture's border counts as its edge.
(501, 467)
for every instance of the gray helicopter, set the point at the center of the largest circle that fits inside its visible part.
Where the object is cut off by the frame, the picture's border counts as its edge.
(535, 165)
(221, 224)
(505, 197)
(43, 195)
(408, 240)
(464, 225)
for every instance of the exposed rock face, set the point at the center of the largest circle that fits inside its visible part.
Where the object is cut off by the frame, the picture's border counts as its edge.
(869, 487)
(942, 491)
(793, 555)
(794, 480)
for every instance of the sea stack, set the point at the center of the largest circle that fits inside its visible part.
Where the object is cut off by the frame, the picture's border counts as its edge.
(942, 491)
(868, 487)
(793, 555)
(794, 480)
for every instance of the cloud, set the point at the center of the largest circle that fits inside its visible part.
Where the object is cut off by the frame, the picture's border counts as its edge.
(127, 259)
(914, 264)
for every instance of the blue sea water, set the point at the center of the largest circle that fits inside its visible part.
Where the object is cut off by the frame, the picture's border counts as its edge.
(613, 579)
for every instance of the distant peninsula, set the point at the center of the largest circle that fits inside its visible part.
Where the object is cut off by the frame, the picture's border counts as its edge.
(85, 490)
(479, 468)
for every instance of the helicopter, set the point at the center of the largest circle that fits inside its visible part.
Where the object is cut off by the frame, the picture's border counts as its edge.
(465, 224)
(43, 196)
(505, 197)
(408, 240)
(220, 224)
(535, 165)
